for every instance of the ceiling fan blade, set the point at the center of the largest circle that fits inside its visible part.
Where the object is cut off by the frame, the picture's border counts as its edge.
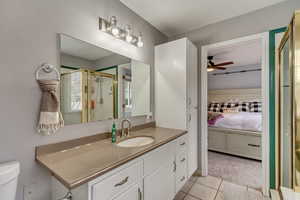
(217, 67)
(223, 64)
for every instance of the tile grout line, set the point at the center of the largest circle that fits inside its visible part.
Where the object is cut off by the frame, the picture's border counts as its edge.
(218, 189)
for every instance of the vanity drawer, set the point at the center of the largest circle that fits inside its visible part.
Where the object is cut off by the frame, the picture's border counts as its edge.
(181, 170)
(117, 183)
(181, 144)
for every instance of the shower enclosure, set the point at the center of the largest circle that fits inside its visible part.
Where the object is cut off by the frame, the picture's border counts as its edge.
(88, 96)
(288, 98)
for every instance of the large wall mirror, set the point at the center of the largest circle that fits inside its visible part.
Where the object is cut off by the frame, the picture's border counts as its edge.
(97, 84)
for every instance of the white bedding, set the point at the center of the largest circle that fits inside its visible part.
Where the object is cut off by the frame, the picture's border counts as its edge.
(250, 121)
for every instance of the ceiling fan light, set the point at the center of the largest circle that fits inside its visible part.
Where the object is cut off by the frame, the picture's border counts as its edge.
(209, 69)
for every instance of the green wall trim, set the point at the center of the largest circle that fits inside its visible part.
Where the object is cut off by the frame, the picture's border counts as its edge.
(272, 97)
(106, 68)
(68, 67)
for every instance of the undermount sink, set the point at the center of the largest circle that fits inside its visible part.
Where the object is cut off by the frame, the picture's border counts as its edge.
(136, 141)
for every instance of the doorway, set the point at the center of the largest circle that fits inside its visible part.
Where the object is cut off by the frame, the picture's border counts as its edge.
(263, 39)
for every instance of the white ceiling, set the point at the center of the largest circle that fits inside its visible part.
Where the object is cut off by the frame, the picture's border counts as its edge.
(244, 54)
(174, 17)
(78, 48)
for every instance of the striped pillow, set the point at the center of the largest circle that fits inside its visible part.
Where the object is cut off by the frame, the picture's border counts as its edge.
(214, 107)
(255, 106)
(244, 107)
(227, 105)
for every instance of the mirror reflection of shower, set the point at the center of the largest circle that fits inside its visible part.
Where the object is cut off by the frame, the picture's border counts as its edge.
(101, 96)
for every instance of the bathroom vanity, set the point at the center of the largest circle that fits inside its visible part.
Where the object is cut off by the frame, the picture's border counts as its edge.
(101, 170)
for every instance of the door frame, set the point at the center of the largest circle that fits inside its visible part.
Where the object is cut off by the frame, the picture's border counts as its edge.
(264, 38)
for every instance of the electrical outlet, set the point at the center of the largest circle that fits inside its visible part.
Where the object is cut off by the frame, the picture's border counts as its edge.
(31, 192)
(28, 193)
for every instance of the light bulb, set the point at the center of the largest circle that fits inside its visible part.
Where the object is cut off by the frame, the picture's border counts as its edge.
(140, 42)
(128, 36)
(209, 69)
(115, 31)
(113, 25)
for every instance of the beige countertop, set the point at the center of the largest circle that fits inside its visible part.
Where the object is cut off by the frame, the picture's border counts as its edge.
(82, 163)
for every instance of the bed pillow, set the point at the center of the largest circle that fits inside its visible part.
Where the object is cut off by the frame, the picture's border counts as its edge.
(231, 110)
(227, 105)
(214, 107)
(244, 107)
(255, 106)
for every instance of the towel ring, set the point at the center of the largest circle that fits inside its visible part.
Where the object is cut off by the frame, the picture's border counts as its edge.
(47, 68)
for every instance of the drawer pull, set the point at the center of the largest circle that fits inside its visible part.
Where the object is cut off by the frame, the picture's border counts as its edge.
(182, 160)
(182, 144)
(175, 166)
(253, 145)
(122, 182)
(182, 179)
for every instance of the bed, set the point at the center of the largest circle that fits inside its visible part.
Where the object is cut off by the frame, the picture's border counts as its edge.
(237, 133)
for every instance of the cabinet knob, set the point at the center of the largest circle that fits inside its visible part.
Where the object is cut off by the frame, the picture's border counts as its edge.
(182, 144)
(182, 160)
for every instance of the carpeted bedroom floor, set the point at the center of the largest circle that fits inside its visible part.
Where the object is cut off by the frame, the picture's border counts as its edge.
(235, 169)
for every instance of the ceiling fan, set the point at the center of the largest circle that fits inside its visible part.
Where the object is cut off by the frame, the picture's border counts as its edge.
(211, 66)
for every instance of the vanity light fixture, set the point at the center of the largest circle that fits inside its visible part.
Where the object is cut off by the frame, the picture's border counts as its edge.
(111, 27)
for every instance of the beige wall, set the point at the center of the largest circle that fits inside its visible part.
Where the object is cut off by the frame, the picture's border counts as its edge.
(28, 37)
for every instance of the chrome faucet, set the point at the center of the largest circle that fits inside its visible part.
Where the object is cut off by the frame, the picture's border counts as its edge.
(125, 131)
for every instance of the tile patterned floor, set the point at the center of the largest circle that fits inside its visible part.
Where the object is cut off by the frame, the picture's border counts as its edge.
(212, 188)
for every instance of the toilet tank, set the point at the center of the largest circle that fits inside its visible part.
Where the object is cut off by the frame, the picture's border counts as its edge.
(9, 172)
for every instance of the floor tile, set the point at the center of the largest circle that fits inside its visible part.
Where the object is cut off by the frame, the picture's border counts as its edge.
(210, 181)
(220, 196)
(186, 188)
(194, 178)
(254, 194)
(228, 186)
(233, 191)
(189, 197)
(180, 196)
(202, 192)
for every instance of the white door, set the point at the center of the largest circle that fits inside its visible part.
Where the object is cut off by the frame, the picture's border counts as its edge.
(134, 193)
(160, 185)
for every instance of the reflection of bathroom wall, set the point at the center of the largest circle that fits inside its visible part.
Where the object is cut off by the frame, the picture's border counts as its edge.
(124, 69)
(109, 61)
(73, 61)
(140, 88)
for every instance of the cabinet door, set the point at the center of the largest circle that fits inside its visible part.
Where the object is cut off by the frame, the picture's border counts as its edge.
(160, 185)
(192, 107)
(134, 193)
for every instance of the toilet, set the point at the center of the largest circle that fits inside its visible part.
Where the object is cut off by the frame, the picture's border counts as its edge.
(9, 172)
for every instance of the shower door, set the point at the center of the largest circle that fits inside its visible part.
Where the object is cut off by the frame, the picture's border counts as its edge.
(289, 106)
(102, 96)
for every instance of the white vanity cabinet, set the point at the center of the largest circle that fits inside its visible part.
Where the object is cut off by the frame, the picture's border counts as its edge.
(156, 175)
(176, 92)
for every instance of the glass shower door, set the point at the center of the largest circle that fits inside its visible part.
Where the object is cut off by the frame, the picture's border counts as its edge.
(285, 116)
(289, 107)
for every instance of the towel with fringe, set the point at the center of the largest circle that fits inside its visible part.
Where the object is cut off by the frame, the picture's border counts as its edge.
(50, 116)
